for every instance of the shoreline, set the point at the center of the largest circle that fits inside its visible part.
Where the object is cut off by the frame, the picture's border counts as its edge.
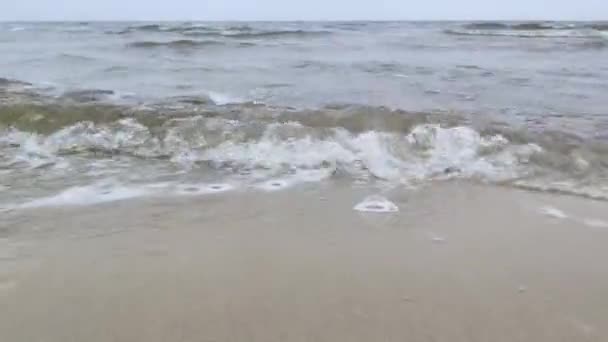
(457, 262)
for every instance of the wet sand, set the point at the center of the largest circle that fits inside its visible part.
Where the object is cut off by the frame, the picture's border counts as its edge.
(458, 262)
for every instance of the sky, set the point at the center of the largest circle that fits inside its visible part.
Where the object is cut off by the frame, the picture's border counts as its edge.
(13, 10)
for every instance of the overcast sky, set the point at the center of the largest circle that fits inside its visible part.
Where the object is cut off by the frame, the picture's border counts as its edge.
(301, 9)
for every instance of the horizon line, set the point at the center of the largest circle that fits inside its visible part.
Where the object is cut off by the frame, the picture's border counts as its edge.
(294, 20)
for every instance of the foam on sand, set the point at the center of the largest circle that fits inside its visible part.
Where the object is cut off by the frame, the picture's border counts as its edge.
(437, 238)
(595, 223)
(376, 204)
(203, 189)
(88, 195)
(274, 185)
(553, 212)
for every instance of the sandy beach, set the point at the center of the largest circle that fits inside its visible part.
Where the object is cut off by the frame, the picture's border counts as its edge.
(457, 262)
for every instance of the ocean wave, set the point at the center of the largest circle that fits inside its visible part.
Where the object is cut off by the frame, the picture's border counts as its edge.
(235, 32)
(145, 28)
(525, 26)
(7, 83)
(88, 95)
(536, 33)
(177, 44)
(425, 152)
(240, 28)
(255, 143)
(158, 28)
(530, 29)
(599, 26)
(487, 26)
(349, 26)
(276, 34)
(75, 57)
(534, 26)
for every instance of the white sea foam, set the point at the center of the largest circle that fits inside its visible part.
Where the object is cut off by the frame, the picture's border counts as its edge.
(87, 195)
(553, 212)
(111, 191)
(429, 151)
(376, 204)
(35, 149)
(289, 152)
(221, 99)
(595, 223)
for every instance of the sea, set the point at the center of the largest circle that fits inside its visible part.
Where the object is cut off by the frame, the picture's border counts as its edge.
(94, 112)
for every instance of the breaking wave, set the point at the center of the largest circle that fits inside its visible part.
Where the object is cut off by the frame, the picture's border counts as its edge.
(533, 26)
(536, 33)
(256, 144)
(276, 34)
(530, 30)
(235, 32)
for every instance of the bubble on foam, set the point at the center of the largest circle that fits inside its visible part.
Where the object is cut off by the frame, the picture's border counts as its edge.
(219, 187)
(273, 154)
(274, 185)
(203, 189)
(553, 212)
(376, 204)
(463, 152)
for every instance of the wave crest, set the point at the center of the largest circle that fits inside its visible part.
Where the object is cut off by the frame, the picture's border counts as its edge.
(177, 44)
(253, 150)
